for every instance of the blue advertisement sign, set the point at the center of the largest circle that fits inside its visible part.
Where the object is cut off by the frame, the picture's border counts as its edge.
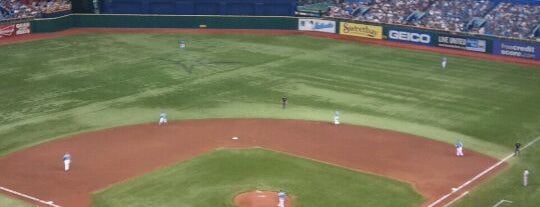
(409, 35)
(517, 49)
(464, 43)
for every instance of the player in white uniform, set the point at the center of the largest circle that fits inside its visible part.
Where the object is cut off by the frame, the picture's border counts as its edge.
(162, 118)
(459, 148)
(281, 198)
(525, 177)
(443, 62)
(67, 161)
(336, 118)
(182, 44)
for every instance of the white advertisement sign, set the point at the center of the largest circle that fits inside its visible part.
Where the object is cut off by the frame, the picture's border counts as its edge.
(318, 25)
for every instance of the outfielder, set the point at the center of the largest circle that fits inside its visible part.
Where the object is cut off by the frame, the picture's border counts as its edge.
(284, 101)
(459, 148)
(525, 177)
(281, 198)
(162, 118)
(182, 44)
(67, 161)
(336, 118)
(443, 62)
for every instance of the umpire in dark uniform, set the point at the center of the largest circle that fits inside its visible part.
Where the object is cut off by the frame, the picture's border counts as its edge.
(517, 148)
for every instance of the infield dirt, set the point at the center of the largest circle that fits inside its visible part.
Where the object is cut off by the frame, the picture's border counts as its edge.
(102, 158)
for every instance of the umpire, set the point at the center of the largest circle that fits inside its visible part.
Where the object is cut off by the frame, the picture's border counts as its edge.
(517, 149)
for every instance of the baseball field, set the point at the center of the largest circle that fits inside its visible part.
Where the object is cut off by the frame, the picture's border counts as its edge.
(98, 96)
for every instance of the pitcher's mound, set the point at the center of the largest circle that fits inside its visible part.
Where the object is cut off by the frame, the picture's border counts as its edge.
(259, 199)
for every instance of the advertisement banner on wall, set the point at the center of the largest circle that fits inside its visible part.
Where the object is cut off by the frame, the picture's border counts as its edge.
(9, 30)
(318, 25)
(409, 35)
(360, 30)
(464, 43)
(517, 49)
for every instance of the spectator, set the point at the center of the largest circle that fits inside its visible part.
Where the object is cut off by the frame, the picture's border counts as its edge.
(513, 20)
(393, 11)
(452, 15)
(17, 9)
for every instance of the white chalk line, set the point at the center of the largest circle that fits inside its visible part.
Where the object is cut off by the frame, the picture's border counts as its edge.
(481, 174)
(455, 199)
(50, 203)
(500, 202)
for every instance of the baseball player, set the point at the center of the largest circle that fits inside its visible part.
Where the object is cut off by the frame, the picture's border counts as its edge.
(182, 44)
(281, 198)
(284, 101)
(67, 161)
(525, 177)
(443, 62)
(517, 149)
(162, 118)
(336, 118)
(459, 148)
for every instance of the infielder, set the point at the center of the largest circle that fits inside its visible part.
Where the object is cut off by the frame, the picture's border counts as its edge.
(162, 118)
(459, 148)
(525, 177)
(443, 62)
(281, 198)
(336, 118)
(67, 161)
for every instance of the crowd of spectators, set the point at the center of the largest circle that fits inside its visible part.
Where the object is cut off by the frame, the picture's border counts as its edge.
(393, 11)
(344, 9)
(452, 15)
(513, 20)
(502, 19)
(17, 9)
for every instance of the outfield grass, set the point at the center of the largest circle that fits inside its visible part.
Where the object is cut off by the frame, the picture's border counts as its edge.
(213, 179)
(65, 85)
(7, 201)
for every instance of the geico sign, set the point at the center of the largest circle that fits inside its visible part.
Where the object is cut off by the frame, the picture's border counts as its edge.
(409, 36)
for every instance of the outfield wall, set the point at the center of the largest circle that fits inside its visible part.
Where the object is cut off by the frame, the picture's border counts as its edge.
(412, 35)
(163, 21)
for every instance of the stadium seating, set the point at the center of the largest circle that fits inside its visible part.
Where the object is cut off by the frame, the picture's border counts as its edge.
(492, 17)
(513, 20)
(393, 11)
(20, 9)
(452, 15)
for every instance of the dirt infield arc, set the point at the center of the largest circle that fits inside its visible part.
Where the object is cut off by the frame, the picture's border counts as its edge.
(105, 157)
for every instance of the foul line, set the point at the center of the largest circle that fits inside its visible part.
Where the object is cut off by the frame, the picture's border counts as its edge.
(501, 202)
(481, 174)
(455, 199)
(50, 203)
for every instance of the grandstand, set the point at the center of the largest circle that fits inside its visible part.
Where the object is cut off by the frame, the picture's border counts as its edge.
(513, 19)
(22, 9)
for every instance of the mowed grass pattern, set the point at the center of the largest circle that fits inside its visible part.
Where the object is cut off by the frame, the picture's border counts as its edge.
(213, 179)
(59, 86)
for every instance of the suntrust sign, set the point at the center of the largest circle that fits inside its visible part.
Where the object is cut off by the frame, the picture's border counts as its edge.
(408, 35)
(360, 30)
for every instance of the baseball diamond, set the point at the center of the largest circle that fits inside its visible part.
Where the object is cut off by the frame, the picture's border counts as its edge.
(230, 110)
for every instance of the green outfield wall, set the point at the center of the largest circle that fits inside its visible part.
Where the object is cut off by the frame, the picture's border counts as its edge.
(163, 21)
